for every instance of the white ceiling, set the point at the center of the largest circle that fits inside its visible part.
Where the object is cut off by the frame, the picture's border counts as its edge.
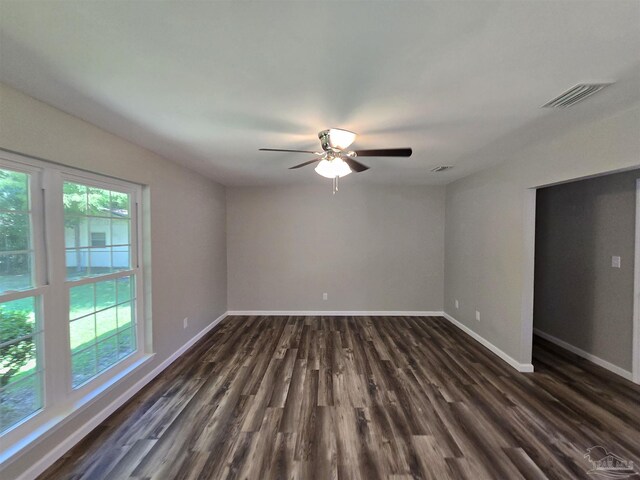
(208, 83)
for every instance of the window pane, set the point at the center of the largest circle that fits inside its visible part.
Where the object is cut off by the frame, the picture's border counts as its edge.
(105, 294)
(99, 202)
(15, 232)
(100, 227)
(75, 231)
(17, 340)
(119, 204)
(17, 319)
(104, 223)
(15, 271)
(100, 261)
(106, 323)
(125, 289)
(95, 340)
(126, 342)
(107, 352)
(19, 373)
(83, 366)
(125, 315)
(75, 199)
(77, 263)
(81, 300)
(120, 231)
(19, 400)
(82, 332)
(14, 190)
(121, 258)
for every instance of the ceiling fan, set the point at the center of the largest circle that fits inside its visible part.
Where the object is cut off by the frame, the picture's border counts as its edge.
(335, 161)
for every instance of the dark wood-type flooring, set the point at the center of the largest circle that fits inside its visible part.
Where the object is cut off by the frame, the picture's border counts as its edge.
(362, 398)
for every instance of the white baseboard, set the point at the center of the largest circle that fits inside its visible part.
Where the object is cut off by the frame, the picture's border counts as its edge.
(347, 313)
(586, 355)
(521, 367)
(68, 443)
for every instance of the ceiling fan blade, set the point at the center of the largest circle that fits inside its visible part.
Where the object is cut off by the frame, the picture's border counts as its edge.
(284, 150)
(355, 165)
(385, 152)
(306, 163)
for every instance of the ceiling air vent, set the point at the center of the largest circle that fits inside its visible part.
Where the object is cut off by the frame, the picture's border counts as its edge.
(442, 168)
(575, 95)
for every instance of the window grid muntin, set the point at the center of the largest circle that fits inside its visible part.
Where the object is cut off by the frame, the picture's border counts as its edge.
(71, 320)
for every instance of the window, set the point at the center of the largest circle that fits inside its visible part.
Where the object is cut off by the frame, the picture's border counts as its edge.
(20, 323)
(98, 246)
(69, 288)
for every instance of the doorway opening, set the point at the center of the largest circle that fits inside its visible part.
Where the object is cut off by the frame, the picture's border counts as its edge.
(587, 271)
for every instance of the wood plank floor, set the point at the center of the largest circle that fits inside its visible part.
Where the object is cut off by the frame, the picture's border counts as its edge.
(362, 398)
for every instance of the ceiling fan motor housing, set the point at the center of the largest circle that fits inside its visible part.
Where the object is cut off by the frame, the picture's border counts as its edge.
(324, 140)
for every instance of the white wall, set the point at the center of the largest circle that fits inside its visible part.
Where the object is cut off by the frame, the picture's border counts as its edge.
(489, 256)
(185, 213)
(370, 248)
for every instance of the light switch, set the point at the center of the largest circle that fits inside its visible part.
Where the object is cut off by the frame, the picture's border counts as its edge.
(615, 262)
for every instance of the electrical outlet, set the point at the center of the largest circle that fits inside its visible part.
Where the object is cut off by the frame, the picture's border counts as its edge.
(615, 262)
(457, 304)
(185, 322)
(477, 315)
(325, 296)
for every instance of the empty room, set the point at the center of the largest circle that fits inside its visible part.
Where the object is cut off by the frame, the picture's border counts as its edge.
(319, 240)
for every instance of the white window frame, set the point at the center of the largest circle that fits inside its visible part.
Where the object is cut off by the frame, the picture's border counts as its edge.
(40, 288)
(60, 401)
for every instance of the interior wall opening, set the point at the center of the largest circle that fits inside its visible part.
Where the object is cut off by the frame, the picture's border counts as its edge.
(585, 287)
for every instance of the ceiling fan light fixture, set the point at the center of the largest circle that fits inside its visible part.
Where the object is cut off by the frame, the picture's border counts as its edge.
(341, 139)
(333, 168)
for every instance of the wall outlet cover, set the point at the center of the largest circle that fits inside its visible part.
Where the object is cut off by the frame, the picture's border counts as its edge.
(477, 315)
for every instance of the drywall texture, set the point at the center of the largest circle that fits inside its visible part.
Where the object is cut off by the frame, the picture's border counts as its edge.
(371, 248)
(579, 297)
(489, 256)
(185, 212)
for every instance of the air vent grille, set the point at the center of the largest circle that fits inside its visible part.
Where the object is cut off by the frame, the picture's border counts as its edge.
(442, 168)
(575, 95)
